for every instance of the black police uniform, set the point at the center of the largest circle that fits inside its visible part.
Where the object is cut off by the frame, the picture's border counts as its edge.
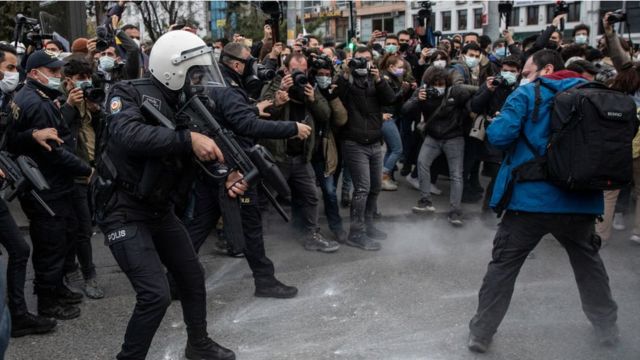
(51, 236)
(234, 111)
(140, 226)
(10, 236)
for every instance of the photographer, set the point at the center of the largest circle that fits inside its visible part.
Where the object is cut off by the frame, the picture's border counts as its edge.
(487, 102)
(468, 64)
(443, 107)
(302, 103)
(364, 92)
(81, 112)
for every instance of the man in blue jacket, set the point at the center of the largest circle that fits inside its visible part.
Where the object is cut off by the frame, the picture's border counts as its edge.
(537, 208)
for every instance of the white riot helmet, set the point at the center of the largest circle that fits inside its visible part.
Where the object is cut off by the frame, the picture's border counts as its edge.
(180, 55)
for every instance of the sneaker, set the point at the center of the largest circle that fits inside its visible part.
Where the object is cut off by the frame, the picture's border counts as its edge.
(73, 277)
(30, 324)
(363, 242)
(341, 236)
(275, 289)
(635, 238)
(608, 336)
(435, 190)
(406, 170)
(424, 206)
(478, 344)
(618, 222)
(92, 289)
(376, 234)
(414, 182)
(66, 296)
(208, 349)
(317, 242)
(388, 184)
(455, 218)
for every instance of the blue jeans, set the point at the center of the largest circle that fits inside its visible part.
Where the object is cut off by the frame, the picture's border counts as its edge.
(329, 196)
(391, 136)
(454, 151)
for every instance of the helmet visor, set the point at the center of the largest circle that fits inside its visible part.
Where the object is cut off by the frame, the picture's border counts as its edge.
(202, 78)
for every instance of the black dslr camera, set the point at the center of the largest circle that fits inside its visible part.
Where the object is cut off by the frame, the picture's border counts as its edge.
(498, 81)
(617, 16)
(105, 37)
(561, 8)
(321, 62)
(33, 35)
(432, 93)
(299, 78)
(93, 94)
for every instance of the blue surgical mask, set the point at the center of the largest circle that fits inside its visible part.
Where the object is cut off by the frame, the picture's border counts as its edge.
(107, 63)
(323, 82)
(471, 61)
(398, 72)
(52, 82)
(391, 49)
(78, 84)
(581, 39)
(500, 52)
(509, 77)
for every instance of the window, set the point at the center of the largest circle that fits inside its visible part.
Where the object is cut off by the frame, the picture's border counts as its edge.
(384, 24)
(477, 18)
(515, 17)
(462, 19)
(574, 12)
(532, 15)
(446, 21)
(550, 13)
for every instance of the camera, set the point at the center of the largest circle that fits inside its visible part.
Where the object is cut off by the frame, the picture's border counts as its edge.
(498, 81)
(33, 35)
(264, 73)
(617, 16)
(560, 8)
(321, 62)
(299, 78)
(359, 63)
(93, 94)
(105, 38)
(432, 93)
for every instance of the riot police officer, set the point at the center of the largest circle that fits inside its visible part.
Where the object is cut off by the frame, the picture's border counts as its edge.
(234, 111)
(144, 170)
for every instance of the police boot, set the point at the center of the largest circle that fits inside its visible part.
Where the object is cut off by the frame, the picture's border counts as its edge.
(66, 296)
(274, 289)
(50, 306)
(201, 347)
(29, 324)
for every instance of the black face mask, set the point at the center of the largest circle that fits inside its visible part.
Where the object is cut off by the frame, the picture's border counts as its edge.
(404, 47)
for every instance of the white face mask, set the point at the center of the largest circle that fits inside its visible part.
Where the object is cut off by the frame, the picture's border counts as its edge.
(137, 41)
(581, 39)
(441, 64)
(471, 61)
(440, 90)
(10, 82)
(524, 82)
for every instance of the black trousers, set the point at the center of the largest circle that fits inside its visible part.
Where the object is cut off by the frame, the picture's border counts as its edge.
(517, 235)
(206, 213)
(18, 251)
(304, 192)
(81, 245)
(51, 237)
(142, 249)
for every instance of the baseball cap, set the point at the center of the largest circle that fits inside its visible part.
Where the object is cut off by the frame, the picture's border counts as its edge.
(44, 58)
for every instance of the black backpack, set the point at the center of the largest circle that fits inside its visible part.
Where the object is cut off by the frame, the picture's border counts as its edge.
(591, 131)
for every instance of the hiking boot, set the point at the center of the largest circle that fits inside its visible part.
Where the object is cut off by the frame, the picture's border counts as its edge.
(478, 344)
(52, 308)
(413, 181)
(341, 236)
(388, 184)
(92, 289)
(376, 234)
(207, 349)
(608, 336)
(275, 289)
(66, 296)
(455, 218)
(362, 241)
(30, 324)
(424, 206)
(317, 242)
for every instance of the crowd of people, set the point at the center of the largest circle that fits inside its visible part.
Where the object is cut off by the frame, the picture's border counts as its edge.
(352, 116)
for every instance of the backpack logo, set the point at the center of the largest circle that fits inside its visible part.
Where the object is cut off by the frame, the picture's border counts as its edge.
(614, 114)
